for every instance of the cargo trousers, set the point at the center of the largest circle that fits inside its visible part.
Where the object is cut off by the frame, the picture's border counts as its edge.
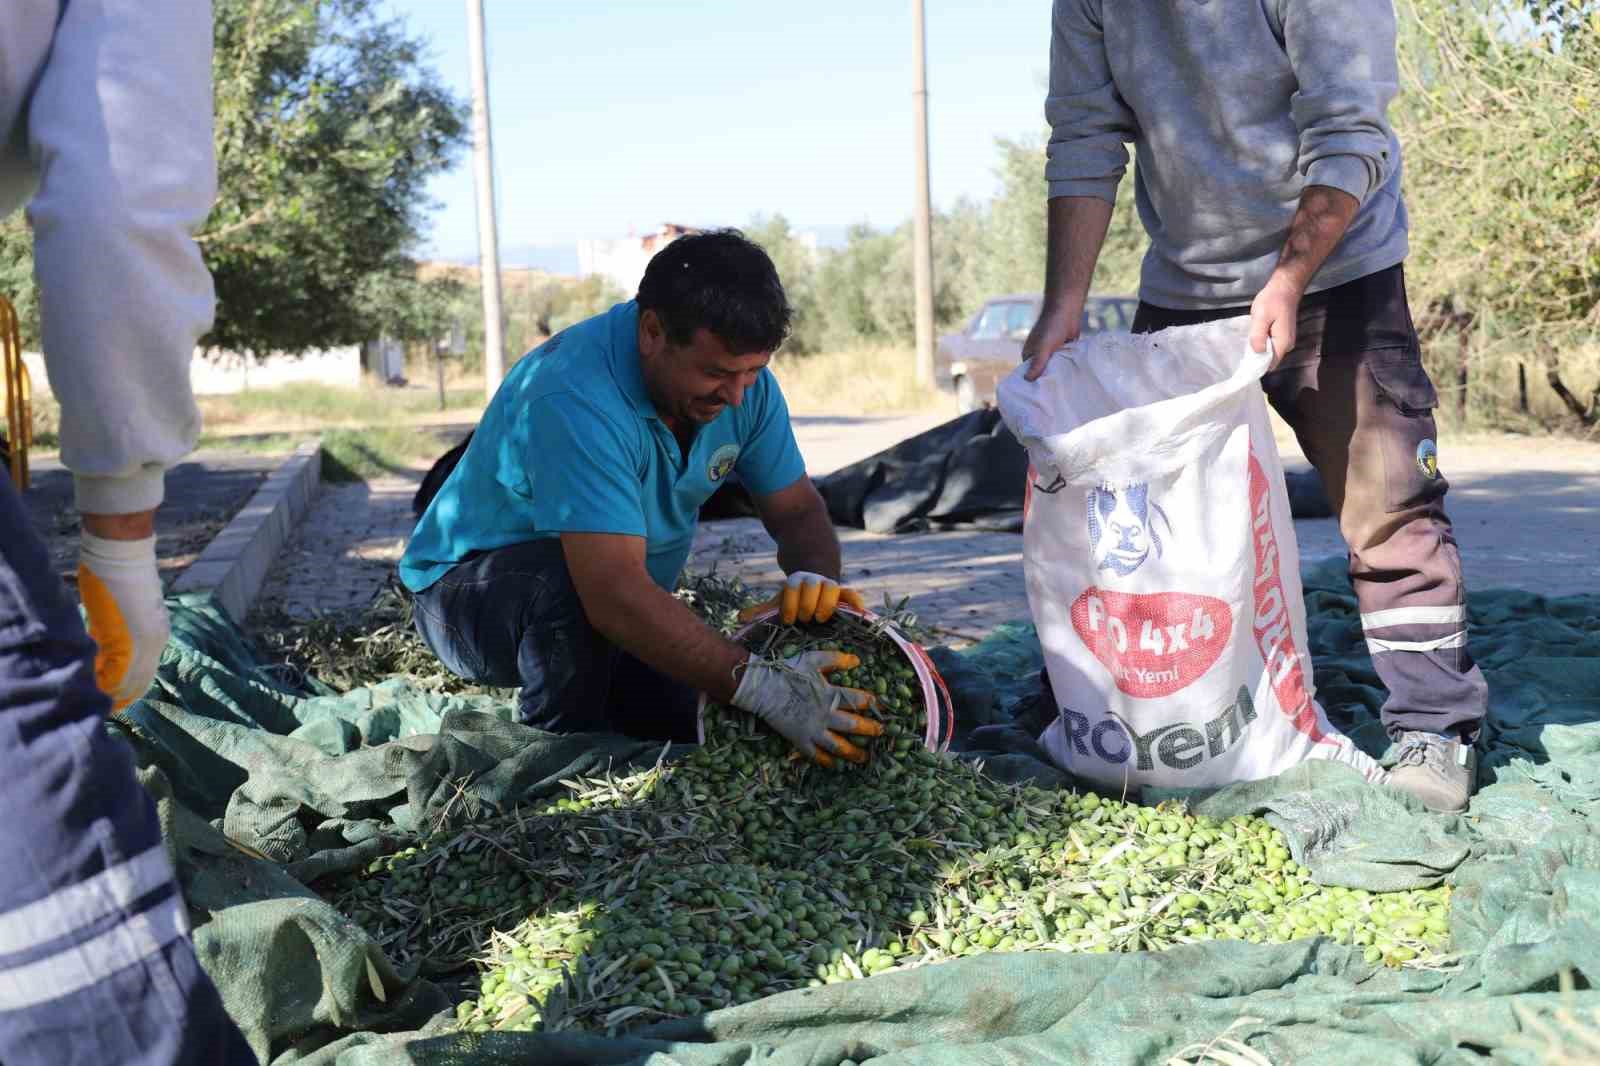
(1360, 403)
(95, 960)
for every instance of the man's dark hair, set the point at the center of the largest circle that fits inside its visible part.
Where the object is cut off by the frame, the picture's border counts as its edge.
(722, 281)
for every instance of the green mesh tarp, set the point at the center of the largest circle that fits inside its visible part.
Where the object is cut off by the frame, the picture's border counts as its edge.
(263, 789)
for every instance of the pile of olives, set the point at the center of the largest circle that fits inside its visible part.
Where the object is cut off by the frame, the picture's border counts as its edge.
(740, 871)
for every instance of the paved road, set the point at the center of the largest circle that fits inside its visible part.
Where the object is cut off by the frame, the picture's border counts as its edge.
(1526, 514)
(345, 550)
(203, 493)
(830, 442)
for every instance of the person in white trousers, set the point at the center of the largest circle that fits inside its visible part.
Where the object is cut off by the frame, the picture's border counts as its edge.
(105, 136)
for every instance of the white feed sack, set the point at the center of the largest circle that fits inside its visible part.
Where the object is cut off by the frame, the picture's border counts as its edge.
(1161, 564)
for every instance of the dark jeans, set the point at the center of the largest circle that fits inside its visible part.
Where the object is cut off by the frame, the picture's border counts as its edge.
(1361, 405)
(95, 960)
(511, 618)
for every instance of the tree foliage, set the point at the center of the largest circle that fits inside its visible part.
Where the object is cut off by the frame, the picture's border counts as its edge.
(1556, 20)
(863, 293)
(1503, 180)
(1500, 104)
(867, 290)
(796, 260)
(1013, 248)
(329, 122)
(533, 306)
(408, 308)
(1502, 166)
(16, 276)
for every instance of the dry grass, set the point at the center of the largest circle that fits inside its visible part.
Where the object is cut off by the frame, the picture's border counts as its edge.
(46, 422)
(365, 433)
(1493, 388)
(1223, 1049)
(1565, 1036)
(869, 381)
(856, 381)
(300, 411)
(1493, 417)
(310, 406)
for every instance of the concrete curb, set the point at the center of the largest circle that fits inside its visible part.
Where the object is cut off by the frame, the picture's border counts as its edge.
(235, 563)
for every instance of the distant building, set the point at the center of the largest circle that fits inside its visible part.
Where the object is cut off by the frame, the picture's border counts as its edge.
(622, 261)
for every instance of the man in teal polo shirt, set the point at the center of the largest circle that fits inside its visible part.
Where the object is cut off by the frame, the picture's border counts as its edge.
(548, 557)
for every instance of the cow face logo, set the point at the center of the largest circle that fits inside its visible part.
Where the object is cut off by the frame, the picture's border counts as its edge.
(722, 461)
(1122, 530)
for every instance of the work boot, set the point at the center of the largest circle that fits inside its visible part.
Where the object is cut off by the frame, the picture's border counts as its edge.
(1438, 770)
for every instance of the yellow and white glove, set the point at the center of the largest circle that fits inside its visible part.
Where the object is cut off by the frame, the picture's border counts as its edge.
(121, 591)
(807, 597)
(795, 698)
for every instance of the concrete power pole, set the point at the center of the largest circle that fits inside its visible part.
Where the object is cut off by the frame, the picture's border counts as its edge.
(922, 249)
(494, 355)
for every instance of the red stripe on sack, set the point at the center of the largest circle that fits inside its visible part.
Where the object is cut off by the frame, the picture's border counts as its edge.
(1027, 494)
(1270, 622)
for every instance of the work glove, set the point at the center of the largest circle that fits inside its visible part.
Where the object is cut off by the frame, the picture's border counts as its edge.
(795, 698)
(121, 592)
(807, 597)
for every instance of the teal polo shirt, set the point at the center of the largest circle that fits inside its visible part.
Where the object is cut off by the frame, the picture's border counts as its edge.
(571, 443)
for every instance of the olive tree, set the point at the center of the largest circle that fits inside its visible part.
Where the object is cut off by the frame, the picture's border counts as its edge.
(1503, 174)
(329, 123)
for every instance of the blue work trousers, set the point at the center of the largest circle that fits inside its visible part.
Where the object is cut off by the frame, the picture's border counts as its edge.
(512, 618)
(96, 965)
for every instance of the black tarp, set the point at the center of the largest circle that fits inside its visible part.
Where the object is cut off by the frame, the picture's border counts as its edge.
(967, 473)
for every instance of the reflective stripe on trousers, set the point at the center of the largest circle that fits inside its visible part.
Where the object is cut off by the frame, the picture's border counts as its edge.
(95, 961)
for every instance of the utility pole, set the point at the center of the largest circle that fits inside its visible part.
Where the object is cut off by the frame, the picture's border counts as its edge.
(922, 227)
(494, 355)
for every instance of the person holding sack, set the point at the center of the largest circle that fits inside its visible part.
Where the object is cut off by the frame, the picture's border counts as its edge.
(1269, 181)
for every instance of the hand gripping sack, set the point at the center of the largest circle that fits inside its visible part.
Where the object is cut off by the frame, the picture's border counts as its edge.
(1161, 564)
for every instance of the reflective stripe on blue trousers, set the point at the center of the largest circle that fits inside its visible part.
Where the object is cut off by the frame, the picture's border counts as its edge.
(96, 965)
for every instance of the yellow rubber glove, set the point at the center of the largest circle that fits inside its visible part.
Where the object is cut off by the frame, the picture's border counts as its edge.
(795, 698)
(807, 597)
(121, 591)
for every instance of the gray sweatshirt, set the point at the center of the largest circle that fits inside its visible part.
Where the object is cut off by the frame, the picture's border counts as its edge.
(105, 133)
(1233, 107)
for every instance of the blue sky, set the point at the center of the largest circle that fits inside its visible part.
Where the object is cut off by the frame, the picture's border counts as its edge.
(618, 114)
